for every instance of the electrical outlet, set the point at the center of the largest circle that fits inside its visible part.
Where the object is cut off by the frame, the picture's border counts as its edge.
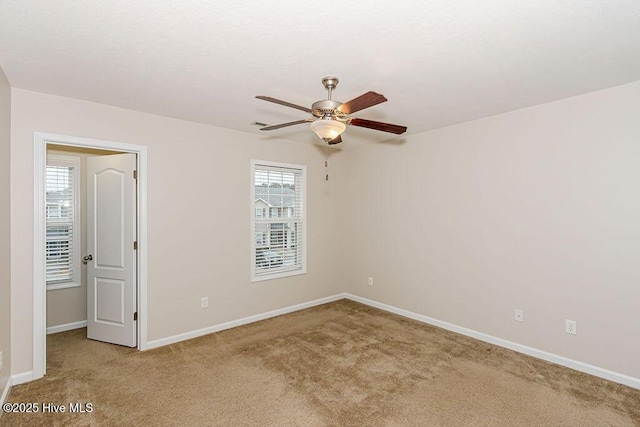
(571, 326)
(519, 315)
(204, 302)
(370, 283)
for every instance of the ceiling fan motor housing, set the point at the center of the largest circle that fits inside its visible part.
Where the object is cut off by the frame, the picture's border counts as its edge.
(327, 107)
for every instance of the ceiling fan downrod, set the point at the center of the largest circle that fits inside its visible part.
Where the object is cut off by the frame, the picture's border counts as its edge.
(330, 83)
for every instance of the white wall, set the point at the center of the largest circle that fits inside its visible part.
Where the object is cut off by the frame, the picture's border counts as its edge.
(536, 209)
(198, 215)
(5, 231)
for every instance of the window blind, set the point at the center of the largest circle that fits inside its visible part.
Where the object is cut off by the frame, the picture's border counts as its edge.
(279, 219)
(61, 228)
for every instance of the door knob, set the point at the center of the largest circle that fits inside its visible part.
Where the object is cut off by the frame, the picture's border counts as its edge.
(86, 259)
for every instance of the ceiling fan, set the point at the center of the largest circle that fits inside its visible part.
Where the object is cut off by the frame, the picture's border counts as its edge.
(331, 117)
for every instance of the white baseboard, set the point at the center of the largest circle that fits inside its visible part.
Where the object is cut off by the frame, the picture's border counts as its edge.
(66, 327)
(228, 325)
(540, 354)
(22, 378)
(5, 392)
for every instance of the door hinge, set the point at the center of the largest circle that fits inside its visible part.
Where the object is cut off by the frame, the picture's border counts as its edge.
(135, 174)
(135, 316)
(135, 245)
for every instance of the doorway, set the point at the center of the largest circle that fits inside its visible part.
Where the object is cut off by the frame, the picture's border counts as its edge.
(68, 143)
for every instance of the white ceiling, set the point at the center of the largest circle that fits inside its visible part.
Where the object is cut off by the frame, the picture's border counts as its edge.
(438, 62)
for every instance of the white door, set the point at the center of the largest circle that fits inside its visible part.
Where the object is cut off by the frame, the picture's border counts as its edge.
(111, 233)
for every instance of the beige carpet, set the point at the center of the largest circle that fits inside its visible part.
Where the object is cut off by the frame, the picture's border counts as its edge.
(340, 364)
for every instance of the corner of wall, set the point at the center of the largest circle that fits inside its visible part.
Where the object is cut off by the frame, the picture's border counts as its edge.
(5, 240)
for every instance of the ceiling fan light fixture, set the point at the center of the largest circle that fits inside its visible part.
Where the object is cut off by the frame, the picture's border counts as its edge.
(328, 129)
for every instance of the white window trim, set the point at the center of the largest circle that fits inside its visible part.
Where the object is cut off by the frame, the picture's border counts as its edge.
(277, 275)
(74, 162)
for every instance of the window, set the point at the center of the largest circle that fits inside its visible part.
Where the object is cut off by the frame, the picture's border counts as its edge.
(62, 222)
(278, 224)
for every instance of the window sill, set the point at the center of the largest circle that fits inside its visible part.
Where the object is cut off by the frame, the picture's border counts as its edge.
(66, 285)
(278, 275)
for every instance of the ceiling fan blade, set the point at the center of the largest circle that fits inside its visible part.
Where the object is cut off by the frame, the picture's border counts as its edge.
(385, 127)
(283, 125)
(366, 100)
(336, 140)
(285, 103)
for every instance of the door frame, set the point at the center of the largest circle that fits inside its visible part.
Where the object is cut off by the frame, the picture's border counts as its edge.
(40, 141)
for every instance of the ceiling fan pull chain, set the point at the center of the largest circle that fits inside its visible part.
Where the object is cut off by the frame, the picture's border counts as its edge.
(326, 164)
